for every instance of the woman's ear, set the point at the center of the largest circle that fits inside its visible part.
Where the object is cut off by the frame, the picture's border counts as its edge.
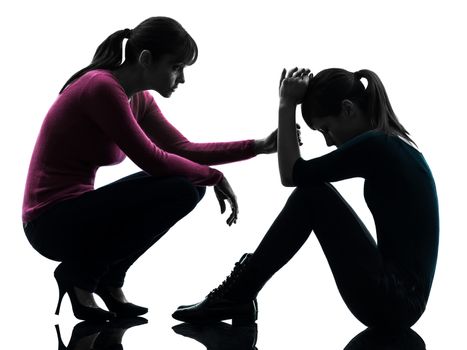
(145, 58)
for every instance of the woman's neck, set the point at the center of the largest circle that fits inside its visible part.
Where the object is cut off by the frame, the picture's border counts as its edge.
(130, 79)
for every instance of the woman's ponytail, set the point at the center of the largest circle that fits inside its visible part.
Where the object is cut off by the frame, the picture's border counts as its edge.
(379, 108)
(159, 35)
(108, 55)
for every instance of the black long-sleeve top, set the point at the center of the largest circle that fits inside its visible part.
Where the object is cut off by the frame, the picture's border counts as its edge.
(399, 191)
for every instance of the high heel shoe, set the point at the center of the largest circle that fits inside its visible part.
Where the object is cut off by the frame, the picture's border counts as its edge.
(221, 304)
(83, 336)
(80, 311)
(112, 335)
(120, 308)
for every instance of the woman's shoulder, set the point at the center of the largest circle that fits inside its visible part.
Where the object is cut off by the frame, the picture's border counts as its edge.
(100, 84)
(99, 77)
(144, 102)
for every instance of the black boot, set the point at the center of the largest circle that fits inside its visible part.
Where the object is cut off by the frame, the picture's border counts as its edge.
(229, 301)
(221, 336)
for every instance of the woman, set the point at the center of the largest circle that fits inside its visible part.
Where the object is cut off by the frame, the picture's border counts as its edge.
(383, 284)
(104, 113)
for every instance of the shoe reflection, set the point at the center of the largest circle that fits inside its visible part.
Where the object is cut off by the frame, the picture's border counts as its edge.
(102, 335)
(386, 339)
(221, 336)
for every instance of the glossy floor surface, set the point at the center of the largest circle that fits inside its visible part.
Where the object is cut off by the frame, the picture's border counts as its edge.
(294, 313)
(137, 333)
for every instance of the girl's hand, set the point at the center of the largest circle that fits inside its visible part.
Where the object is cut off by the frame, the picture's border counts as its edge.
(268, 145)
(224, 192)
(293, 85)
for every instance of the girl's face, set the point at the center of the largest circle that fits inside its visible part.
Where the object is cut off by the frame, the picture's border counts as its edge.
(340, 128)
(164, 75)
(332, 128)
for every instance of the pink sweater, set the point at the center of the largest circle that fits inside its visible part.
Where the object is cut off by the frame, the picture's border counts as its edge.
(92, 124)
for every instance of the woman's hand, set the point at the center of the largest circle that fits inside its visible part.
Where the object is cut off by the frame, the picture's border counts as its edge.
(268, 145)
(224, 192)
(293, 85)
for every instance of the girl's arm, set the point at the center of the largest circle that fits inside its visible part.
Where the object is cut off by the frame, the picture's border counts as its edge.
(288, 150)
(291, 91)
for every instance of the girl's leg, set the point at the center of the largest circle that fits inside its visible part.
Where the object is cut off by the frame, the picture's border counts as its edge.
(352, 253)
(372, 294)
(349, 248)
(340, 232)
(91, 233)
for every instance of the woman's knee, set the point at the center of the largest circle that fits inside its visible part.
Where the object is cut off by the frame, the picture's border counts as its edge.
(187, 193)
(201, 192)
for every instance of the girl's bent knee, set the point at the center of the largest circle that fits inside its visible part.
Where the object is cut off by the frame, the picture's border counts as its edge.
(314, 193)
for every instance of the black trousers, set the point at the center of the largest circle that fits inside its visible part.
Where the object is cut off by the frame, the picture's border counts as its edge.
(100, 234)
(374, 290)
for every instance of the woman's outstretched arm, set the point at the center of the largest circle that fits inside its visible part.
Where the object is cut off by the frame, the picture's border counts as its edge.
(169, 138)
(292, 88)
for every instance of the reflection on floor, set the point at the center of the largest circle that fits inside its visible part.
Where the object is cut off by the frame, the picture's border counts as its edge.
(88, 335)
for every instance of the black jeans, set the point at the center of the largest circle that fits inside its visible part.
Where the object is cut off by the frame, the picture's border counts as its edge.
(100, 234)
(374, 290)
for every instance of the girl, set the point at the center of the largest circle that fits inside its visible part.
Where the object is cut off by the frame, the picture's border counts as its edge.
(383, 284)
(103, 114)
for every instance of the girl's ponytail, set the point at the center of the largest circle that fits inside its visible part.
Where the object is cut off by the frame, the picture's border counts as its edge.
(108, 55)
(378, 106)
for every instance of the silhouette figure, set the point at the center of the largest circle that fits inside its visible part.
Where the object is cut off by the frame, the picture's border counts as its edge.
(101, 335)
(103, 114)
(221, 336)
(384, 284)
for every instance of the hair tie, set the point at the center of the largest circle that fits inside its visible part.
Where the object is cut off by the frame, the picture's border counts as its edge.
(127, 33)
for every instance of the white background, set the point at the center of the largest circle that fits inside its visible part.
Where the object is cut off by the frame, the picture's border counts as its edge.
(418, 50)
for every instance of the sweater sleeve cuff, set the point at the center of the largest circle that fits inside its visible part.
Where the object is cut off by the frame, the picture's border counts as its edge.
(218, 176)
(250, 149)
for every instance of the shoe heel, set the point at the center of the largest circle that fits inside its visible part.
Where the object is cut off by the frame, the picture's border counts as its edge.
(243, 320)
(248, 317)
(61, 293)
(61, 345)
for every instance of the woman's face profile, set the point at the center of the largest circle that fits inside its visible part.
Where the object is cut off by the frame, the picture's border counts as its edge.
(164, 74)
